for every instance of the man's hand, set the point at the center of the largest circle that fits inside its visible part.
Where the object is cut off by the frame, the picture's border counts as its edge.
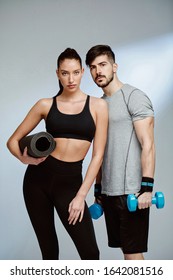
(144, 200)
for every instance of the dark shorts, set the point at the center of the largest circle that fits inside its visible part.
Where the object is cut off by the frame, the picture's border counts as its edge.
(127, 230)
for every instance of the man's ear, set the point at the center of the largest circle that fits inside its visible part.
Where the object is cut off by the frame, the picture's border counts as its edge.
(115, 67)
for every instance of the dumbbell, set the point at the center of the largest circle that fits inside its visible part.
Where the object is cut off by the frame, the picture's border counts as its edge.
(96, 211)
(158, 200)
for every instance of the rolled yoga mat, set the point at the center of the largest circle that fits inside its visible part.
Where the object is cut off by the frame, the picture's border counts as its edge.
(40, 144)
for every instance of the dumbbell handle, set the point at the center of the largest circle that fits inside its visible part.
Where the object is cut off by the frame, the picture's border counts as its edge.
(154, 200)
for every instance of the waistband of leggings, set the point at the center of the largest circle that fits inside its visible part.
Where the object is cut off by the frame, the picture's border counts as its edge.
(61, 167)
(61, 162)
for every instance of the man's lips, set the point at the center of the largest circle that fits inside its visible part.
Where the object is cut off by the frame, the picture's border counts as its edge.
(99, 78)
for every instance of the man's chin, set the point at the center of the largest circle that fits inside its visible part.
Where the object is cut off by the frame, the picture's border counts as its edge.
(101, 85)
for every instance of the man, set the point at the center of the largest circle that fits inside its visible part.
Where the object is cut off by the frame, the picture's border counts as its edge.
(129, 160)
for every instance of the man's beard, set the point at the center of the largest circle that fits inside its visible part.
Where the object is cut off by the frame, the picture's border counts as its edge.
(108, 80)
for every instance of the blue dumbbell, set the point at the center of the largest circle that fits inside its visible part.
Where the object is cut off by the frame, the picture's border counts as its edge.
(158, 200)
(96, 211)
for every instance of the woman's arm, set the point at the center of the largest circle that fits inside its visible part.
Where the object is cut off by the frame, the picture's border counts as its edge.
(34, 116)
(76, 207)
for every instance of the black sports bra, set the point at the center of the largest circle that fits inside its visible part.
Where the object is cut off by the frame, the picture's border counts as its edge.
(76, 126)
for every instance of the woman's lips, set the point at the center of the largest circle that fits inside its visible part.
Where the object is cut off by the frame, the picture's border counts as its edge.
(71, 86)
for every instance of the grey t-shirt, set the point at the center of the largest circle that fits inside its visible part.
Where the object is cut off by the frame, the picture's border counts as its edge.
(121, 168)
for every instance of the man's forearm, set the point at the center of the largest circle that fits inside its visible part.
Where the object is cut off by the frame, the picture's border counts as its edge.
(148, 161)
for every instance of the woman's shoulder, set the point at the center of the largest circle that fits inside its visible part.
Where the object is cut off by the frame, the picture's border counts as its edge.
(98, 101)
(43, 102)
(42, 106)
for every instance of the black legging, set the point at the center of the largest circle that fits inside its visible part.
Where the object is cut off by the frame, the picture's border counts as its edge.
(53, 184)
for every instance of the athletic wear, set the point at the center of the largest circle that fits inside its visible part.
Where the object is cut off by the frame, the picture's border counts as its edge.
(121, 169)
(53, 184)
(77, 126)
(125, 229)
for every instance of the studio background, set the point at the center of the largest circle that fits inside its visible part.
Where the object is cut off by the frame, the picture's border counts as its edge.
(33, 33)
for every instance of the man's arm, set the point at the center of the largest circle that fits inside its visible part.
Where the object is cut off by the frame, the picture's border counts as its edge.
(145, 133)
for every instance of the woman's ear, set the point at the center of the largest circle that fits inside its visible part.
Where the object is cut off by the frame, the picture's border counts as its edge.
(57, 73)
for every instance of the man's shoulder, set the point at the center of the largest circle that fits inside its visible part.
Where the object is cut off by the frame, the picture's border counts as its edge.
(128, 89)
(132, 92)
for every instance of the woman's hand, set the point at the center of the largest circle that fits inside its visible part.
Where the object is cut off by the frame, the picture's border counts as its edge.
(76, 209)
(26, 159)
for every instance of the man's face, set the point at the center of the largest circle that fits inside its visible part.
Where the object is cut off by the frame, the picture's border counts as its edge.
(102, 70)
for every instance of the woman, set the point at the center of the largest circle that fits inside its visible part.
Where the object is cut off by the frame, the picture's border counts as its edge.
(74, 119)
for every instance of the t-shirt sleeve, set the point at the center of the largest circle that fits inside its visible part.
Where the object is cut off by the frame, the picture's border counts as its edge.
(140, 106)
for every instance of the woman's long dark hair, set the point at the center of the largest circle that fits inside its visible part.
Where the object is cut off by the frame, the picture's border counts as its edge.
(67, 54)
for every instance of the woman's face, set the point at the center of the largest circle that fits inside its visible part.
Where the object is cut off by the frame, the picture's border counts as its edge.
(70, 74)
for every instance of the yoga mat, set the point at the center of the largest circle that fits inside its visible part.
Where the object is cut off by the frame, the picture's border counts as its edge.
(40, 144)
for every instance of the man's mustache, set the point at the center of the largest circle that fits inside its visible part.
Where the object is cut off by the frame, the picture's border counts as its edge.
(99, 76)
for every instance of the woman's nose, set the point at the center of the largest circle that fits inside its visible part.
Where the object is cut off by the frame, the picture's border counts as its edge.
(71, 79)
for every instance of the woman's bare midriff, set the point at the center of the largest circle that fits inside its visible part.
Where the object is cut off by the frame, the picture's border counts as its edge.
(70, 150)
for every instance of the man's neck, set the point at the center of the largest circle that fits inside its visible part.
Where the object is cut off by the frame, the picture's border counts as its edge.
(113, 87)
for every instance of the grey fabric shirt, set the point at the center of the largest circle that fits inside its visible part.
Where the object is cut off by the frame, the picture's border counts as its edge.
(121, 168)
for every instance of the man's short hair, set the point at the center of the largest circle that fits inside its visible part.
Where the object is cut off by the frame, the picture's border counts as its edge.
(97, 51)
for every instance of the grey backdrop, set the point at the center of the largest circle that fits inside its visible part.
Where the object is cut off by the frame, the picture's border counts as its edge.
(33, 33)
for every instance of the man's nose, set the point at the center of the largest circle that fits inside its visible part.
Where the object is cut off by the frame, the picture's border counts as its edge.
(98, 70)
